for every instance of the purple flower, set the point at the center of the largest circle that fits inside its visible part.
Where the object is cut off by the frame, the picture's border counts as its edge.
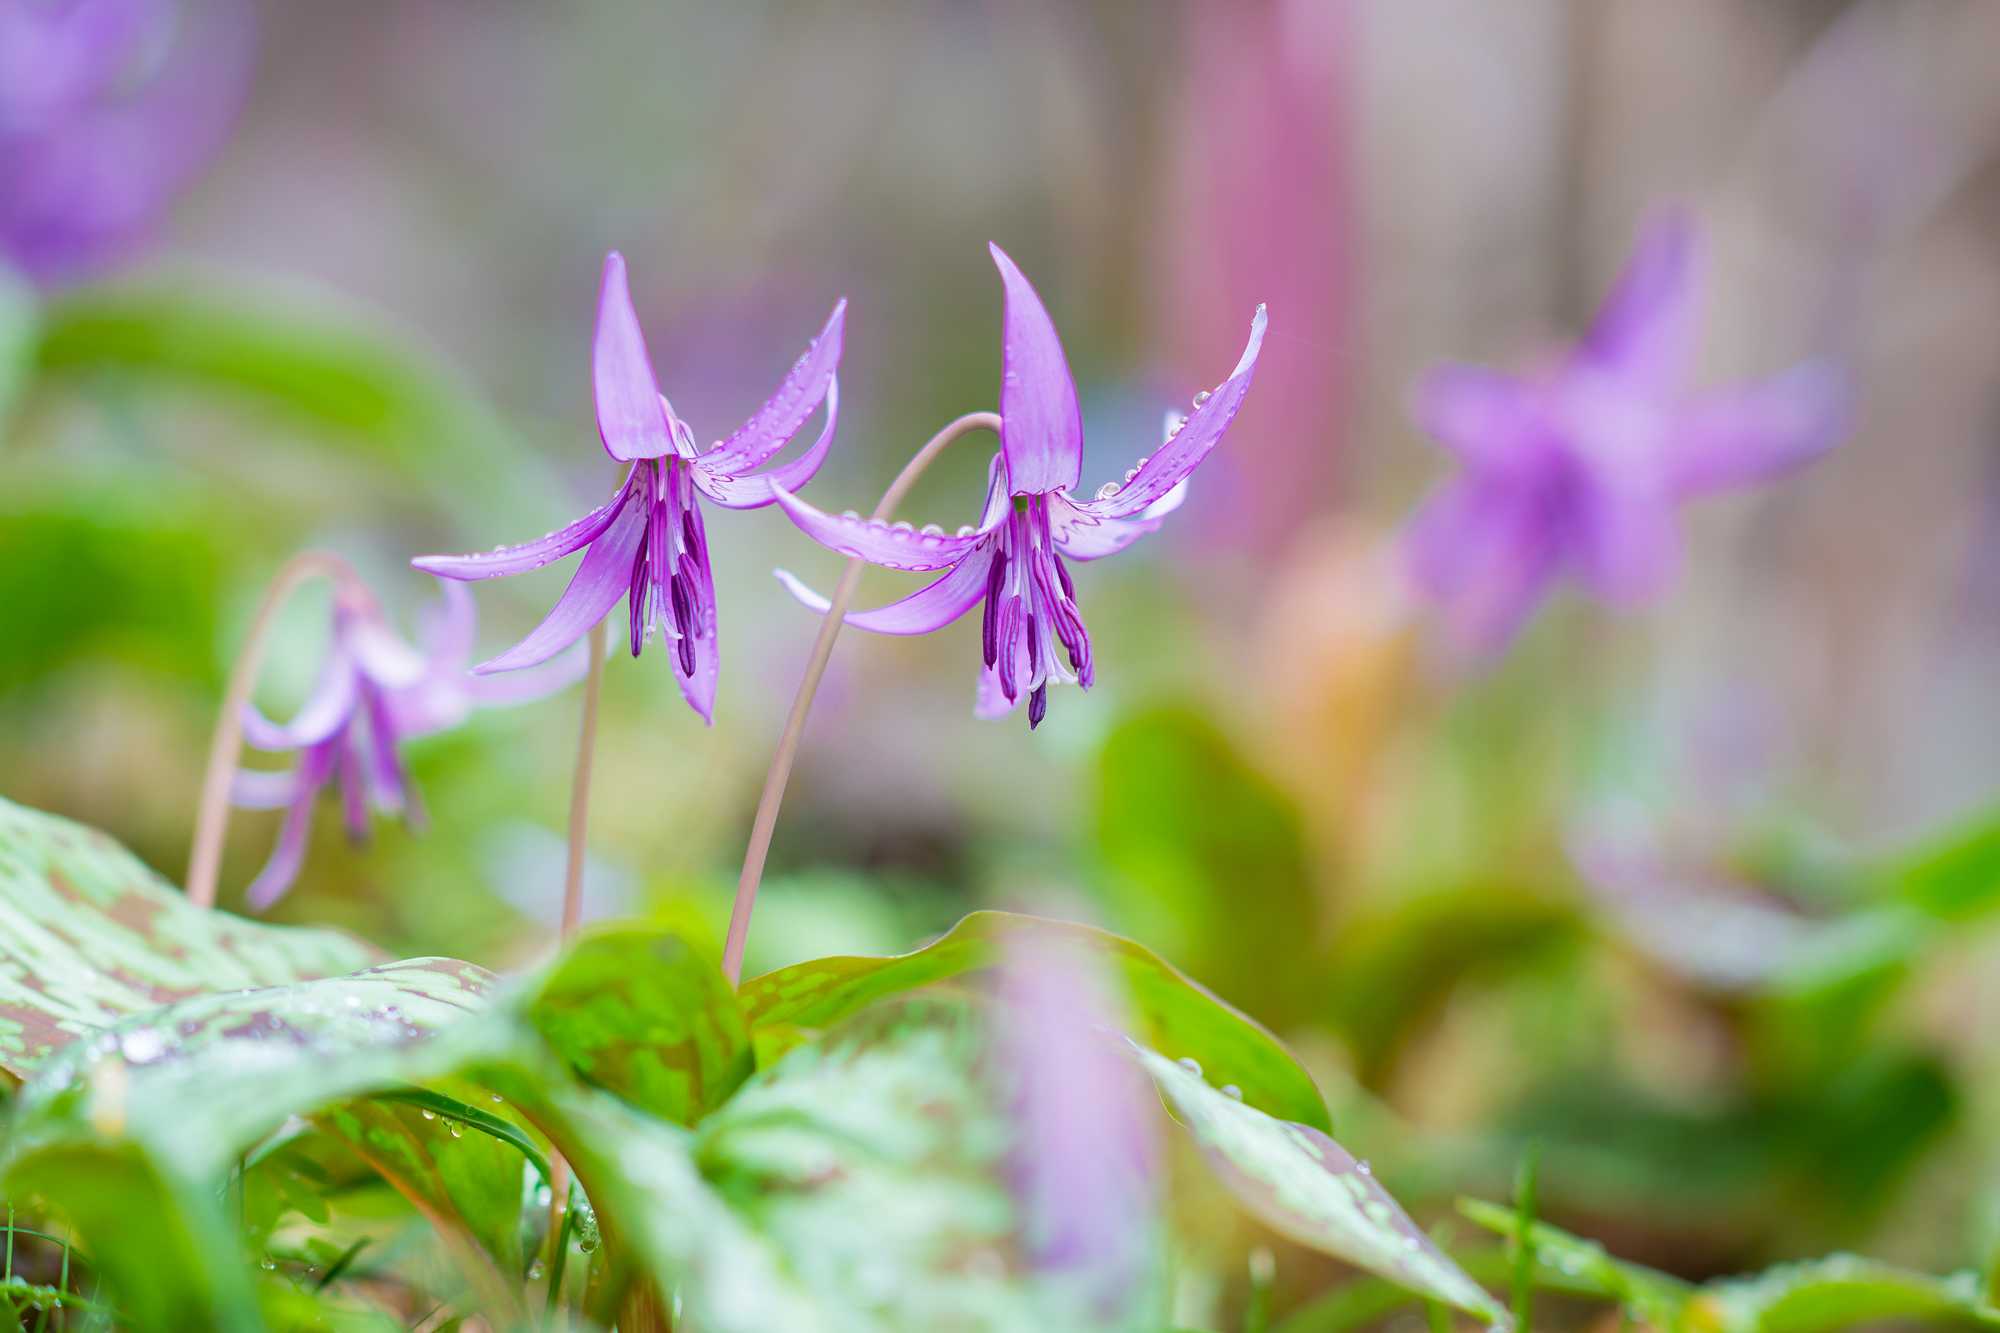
(374, 693)
(1081, 1169)
(1581, 471)
(108, 109)
(648, 543)
(1014, 559)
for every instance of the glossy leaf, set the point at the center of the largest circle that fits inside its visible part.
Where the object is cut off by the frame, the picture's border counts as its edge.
(638, 1010)
(466, 1184)
(1305, 1186)
(1176, 1015)
(89, 935)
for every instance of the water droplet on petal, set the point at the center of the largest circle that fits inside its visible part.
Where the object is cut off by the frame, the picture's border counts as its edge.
(1231, 1091)
(1188, 1063)
(1201, 398)
(1412, 1243)
(1109, 489)
(851, 513)
(903, 525)
(932, 530)
(965, 529)
(1363, 1167)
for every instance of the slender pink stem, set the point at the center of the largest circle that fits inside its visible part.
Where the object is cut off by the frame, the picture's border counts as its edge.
(822, 652)
(212, 818)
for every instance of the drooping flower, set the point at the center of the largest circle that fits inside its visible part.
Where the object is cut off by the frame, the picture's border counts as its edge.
(375, 692)
(1082, 1166)
(1013, 560)
(1580, 471)
(648, 544)
(100, 130)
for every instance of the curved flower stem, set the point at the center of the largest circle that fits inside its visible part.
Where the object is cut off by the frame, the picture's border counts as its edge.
(822, 652)
(212, 819)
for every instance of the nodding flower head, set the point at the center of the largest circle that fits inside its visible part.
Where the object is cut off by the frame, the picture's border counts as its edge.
(1580, 471)
(648, 544)
(375, 691)
(1013, 561)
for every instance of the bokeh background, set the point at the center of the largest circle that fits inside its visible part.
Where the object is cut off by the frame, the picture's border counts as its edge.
(1693, 897)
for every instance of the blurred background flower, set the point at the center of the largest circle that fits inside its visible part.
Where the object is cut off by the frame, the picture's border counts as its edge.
(368, 329)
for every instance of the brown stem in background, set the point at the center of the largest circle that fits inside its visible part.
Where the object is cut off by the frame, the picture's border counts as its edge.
(822, 652)
(212, 819)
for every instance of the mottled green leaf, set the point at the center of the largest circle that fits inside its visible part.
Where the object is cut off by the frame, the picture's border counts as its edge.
(1176, 1015)
(873, 1160)
(1210, 863)
(89, 935)
(1306, 1186)
(1837, 1292)
(474, 1117)
(636, 1009)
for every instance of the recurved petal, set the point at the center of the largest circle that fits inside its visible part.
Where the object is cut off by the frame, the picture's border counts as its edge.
(1646, 329)
(602, 578)
(807, 598)
(263, 789)
(1081, 535)
(892, 547)
(1041, 427)
(531, 683)
(1741, 436)
(630, 418)
(754, 491)
(329, 708)
(809, 379)
(1180, 455)
(1491, 421)
(446, 628)
(529, 555)
(935, 606)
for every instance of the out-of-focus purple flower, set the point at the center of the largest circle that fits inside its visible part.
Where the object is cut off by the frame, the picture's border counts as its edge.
(1014, 559)
(375, 692)
(1081, 1169)
(1581, 471)
(648, 544)
(108, 109)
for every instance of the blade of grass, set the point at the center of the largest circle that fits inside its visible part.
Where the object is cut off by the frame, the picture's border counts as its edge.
(344, 1262)
(1524, 1247)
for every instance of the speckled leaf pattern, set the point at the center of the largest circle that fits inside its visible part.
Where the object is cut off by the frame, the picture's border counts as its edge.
(636, 1010)
(872, 1160)
(1306, 1186)
(89, 935)
(1177, 1015)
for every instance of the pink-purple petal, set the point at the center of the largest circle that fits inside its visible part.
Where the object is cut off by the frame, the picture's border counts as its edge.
(1493, 422)
(630, 419)
(934, 606)
(1081, 535)
(529, 555)
(1041, 426)
(315, 767)
(602, 578)
(877, 543)
(1645, 332)
(263, 788)
(1199, 434)
(529, 684)
(1741, 436)
(754, 491)
(1629, 548)
(809, 379)
(325, 711)
(992, 703)
(1485, 556)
